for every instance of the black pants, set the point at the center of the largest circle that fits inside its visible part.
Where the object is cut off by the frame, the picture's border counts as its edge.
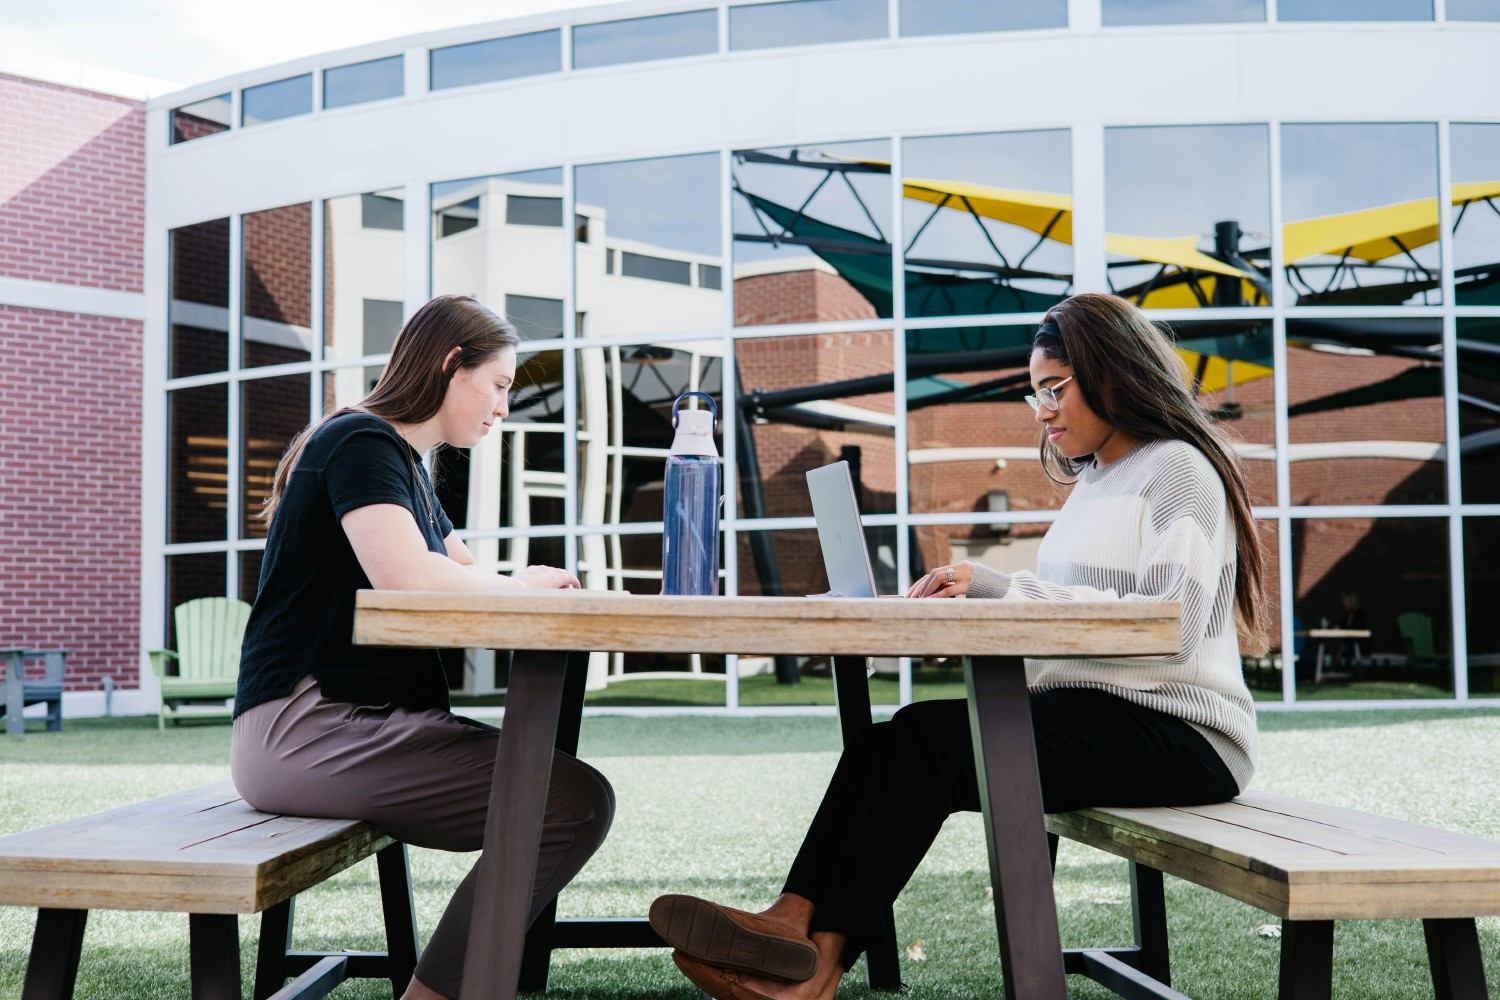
(898, 782)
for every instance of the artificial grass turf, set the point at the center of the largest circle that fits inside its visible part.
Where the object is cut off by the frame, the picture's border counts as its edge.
(717, 806)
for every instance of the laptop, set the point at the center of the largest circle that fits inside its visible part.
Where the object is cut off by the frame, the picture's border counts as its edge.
(840, 534)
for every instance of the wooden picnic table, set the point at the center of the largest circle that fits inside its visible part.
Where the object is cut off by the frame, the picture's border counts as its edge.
(552, 632)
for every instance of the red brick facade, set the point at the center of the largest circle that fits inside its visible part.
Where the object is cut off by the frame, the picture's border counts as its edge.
(72, 211)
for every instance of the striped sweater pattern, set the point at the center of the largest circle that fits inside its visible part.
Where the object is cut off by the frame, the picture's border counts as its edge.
(1153, 525)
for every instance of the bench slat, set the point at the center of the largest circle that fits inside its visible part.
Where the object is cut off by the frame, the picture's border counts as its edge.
(203, 850)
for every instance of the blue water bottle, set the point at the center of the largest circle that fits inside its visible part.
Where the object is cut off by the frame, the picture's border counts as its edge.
(690, 517)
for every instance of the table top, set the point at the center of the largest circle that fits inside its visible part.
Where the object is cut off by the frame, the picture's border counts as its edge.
(607, 621)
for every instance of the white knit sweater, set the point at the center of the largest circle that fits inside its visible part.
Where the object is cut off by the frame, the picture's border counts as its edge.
(1153, 525)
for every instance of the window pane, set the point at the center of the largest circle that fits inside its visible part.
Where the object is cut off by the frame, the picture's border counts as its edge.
(1393, 613)
(805, 22)
(810, 400)
(1232, 362)
(189, 577)
(810, 227)
(277, 295)
(1474, 10)
(1479, 408)
(1117, 12)
(347, 386)
(1263, 671)
(1481, 583)
(206, 117)
(957, 17)
(271, 101)
(662, 217)
(1360, 209)
(1365, 411)
(625, 396)
(250, 574)
(1354, 10)
(273, 411)
(988, 231)
(497, 59)
(200, 299)
(198, 465)
(1476, 214)
(375, 80)
(1188, 213)
(641, 38)
(515, 477)
(501, 240)
(364, 274)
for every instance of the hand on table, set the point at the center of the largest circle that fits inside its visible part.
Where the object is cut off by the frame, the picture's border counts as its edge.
(945, 581)
(546, 578)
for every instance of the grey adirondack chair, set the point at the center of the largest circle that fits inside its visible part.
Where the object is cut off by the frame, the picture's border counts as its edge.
(207, 658)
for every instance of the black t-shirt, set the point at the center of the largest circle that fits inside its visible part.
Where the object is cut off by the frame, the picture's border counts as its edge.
(303, 619)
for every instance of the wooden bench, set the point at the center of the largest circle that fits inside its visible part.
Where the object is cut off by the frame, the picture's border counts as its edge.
(1306, 863)
(206, 853)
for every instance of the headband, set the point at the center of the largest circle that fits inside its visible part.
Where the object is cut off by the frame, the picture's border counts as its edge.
(1048, 328)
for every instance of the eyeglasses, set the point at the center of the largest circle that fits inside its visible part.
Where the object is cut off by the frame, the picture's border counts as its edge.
(1048, 396)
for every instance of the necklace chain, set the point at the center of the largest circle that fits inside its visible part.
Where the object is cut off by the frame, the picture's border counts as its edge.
(422, 489)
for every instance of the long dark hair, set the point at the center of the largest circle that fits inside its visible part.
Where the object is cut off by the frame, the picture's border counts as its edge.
(1132, 378)
(416, 377)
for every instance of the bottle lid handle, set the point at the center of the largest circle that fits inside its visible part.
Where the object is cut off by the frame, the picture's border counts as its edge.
(712, 406)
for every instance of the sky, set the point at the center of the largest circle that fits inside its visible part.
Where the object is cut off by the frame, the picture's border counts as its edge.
(183, 42)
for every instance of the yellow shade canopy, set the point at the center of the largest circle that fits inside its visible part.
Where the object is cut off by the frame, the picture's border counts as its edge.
(1042, 212)
(1219, 372)
(1372, 234)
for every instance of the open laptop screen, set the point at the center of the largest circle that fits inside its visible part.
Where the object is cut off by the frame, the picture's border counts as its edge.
(840, 534)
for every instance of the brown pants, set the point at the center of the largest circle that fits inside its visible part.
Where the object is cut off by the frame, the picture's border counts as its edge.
(424, 778)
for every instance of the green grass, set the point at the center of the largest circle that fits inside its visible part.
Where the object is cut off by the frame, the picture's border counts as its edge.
(717, 806)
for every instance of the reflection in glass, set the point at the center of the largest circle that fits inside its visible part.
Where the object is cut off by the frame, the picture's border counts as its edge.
(1479, 408)
(790, 563)
(272, 101)
(198, 464)
(346, 386)
(1188, 212)
(1481, 583)
(1232, 363)
(199, 312)
(502, 240)
(359, 83)
(1360, 214)
(200, 574)
(807, 401)
(250, 573)
(625, 396)
(642, 226)
(987, 229)
(810, 225)
(364, 273)
(1119, 12)
(1262, 670)
(961, 17)
(641, 38)
(1354, 10)
(1476, 212)
(1474, 10)
(201, 118)
(1394, 612)
(1365, 411)
(496, 59)
(273, 411)
(277, 295)
(805, 22)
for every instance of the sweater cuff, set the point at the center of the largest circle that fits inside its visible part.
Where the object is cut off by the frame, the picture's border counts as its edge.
(988, 583)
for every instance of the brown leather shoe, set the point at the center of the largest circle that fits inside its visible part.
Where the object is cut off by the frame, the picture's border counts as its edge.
(732, 939)
(721, 984)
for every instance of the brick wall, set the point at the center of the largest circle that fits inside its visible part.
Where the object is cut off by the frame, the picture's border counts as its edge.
(72, 185)
(70, 496)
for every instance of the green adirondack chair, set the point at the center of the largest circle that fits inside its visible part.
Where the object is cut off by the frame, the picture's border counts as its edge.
(209, 632)
(1421, 649)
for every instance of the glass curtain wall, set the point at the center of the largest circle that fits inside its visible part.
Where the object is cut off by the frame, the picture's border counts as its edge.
(1357, 377)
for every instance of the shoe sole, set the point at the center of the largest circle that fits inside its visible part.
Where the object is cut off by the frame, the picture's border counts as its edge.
(707, 933)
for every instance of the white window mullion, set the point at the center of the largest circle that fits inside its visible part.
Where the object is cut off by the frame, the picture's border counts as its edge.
(729, 413)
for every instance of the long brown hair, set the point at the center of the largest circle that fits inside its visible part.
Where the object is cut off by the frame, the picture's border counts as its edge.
(1132, 378)
(416, 377)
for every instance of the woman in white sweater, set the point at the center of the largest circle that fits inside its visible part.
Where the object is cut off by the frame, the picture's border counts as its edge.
(1158, 510)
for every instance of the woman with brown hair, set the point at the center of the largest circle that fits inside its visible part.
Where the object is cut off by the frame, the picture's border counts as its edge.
(327, 728)
(1157, 510)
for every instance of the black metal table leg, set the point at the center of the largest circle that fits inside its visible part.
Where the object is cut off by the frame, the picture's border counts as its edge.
(1149, 905)
(52, 969)
(400, 913)
(214, 955)
(1306, 960)
(1015, 834)
(518, 802)
(275, 941)
(1453, 953)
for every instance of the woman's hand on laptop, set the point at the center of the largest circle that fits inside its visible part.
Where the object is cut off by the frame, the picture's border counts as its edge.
(945, 581)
